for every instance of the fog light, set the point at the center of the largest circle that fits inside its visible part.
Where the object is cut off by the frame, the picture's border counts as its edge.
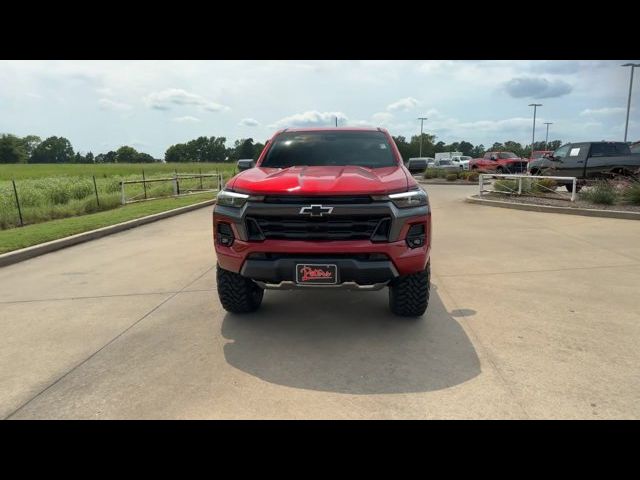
(416, 236)
(224, 234)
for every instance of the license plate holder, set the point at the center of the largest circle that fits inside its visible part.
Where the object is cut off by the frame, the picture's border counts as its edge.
(316, 274)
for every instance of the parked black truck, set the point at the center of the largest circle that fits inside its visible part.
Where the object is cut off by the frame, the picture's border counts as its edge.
(587, 161)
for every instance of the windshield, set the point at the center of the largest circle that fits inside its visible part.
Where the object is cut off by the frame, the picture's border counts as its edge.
(507, 155)
(363, 149)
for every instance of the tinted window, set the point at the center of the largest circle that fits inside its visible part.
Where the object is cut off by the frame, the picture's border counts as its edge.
(602, 149)
(445, 162)
(364, 149)
(635, 148)
(606, 149)
(507, 155)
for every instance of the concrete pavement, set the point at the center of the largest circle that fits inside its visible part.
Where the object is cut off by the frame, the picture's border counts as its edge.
(532, 315)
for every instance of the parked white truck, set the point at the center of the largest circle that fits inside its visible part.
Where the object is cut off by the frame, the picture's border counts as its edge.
(457, 159)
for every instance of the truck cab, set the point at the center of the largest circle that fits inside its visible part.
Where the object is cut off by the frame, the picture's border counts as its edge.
(499, 162)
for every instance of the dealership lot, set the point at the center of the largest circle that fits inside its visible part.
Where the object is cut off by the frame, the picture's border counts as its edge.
(532, 315)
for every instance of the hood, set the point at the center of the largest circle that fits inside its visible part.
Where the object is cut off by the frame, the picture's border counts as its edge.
(335, 180)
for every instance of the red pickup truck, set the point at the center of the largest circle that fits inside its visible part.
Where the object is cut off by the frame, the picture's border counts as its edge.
(499, 162)
(324, 208)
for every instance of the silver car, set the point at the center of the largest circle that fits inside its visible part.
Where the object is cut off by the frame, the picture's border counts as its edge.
(446, 165)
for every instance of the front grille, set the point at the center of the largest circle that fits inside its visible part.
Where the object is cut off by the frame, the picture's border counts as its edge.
(332, 200)
(516, 167)
(335, 227)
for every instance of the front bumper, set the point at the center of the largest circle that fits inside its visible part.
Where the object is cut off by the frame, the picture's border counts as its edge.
(399, 259)
(350, 270)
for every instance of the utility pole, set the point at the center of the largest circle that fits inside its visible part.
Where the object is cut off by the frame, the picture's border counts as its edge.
(546, 139)
(533, 135)
(626, 125)
(336, 120)
(422, 119)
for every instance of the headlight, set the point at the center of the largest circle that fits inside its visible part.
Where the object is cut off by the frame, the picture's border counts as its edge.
(412, 198)
(231, 199)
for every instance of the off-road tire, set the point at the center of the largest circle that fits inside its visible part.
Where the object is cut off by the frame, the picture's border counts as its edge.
(409, 294)
(237, 294)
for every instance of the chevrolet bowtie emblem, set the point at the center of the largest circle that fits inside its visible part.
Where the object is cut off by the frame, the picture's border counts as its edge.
(316, 210)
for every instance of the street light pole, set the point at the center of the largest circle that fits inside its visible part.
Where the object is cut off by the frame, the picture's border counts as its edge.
(546, 139)
(533, 135)
(422, 119)
(626, 125)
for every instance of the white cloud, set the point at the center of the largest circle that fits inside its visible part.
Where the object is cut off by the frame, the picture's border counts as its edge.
(603, 111)
(311, 118)
(170, 97)
(382, 118)
(107, 104)
(248, 122)
(404, 104)
(186, 119)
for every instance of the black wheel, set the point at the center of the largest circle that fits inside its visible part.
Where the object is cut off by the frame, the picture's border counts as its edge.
(569, 187)
(409, 294)
(237, 294)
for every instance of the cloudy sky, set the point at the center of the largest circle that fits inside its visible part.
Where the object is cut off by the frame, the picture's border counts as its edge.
(101, 105)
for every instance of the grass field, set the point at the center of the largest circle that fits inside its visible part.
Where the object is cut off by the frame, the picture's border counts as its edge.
(20, 171)
(16, 238)
(51, 192)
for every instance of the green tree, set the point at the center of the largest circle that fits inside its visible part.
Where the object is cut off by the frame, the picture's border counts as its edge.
(244, 148)
(428, 148)
(144, 158)
(403, 147)
(257, 150)
(89, 158)
(478, 151)
(177, 153)
(465, 147)
(554, 145)
(109, 157)
(53, 150)
(514, 147)
(126, 154)
(12, 149)
(30, 143)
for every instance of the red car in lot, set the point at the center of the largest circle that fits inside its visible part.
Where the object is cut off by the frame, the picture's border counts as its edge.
(499, 162)
(324, 208)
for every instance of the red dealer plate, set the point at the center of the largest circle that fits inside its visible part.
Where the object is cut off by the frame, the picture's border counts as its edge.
(314, 274)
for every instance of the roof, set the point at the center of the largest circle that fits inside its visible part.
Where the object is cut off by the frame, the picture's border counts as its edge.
(331, 129)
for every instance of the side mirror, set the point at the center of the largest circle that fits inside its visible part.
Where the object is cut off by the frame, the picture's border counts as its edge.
(245, 164)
